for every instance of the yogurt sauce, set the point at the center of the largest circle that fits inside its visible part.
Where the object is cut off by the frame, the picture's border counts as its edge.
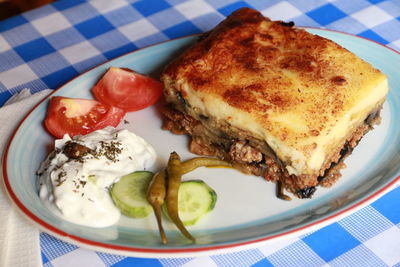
(76, 176)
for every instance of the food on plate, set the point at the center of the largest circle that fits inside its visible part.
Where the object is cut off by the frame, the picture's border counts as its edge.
(165, 192)
(274, 100)
(171, 200)
(118, 91)
(75, 116)
(156, 193)
(195, 200)
(75, 178)
(194, 163)
(129, 194)
(127, 89)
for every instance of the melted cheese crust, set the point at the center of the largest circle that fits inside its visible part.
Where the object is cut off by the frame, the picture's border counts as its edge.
(301, 93)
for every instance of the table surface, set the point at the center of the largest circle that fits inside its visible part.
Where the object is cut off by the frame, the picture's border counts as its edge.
(46, 47)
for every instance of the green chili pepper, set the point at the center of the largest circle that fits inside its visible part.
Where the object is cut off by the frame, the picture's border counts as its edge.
(191, 164)
(174, 181)
(156, 196)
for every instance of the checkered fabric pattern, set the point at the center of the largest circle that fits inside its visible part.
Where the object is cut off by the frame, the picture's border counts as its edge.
(46, 47)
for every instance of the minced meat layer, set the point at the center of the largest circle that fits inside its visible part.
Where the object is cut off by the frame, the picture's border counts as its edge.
(254, 156)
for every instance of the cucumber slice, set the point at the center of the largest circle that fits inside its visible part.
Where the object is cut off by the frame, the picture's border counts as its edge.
(129, 194)
(195, 199)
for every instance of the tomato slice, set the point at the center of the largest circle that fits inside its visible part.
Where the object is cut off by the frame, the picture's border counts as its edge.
(127, 89)
(79, 116)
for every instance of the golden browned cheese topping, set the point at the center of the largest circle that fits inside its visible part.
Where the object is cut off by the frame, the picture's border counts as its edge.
(295, 84)
(249, 60)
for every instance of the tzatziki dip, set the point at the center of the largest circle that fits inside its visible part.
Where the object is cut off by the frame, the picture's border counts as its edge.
(75, 178)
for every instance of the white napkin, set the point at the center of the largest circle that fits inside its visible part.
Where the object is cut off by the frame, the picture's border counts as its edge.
(19, 238)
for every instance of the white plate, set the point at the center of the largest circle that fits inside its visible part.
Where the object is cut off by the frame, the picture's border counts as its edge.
(247, 213)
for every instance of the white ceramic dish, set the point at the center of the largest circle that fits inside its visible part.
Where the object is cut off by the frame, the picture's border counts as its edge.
(247, 213)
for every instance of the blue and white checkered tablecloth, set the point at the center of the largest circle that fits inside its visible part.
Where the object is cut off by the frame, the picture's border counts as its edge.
(48, 46)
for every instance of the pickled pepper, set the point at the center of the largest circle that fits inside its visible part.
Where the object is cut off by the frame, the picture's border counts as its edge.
(156, 196)
(174, 181)
(194, 163)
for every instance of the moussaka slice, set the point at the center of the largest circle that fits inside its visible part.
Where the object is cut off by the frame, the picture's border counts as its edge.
(273, 99)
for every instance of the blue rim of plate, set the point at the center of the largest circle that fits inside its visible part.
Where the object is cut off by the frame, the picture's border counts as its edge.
(189, 251)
